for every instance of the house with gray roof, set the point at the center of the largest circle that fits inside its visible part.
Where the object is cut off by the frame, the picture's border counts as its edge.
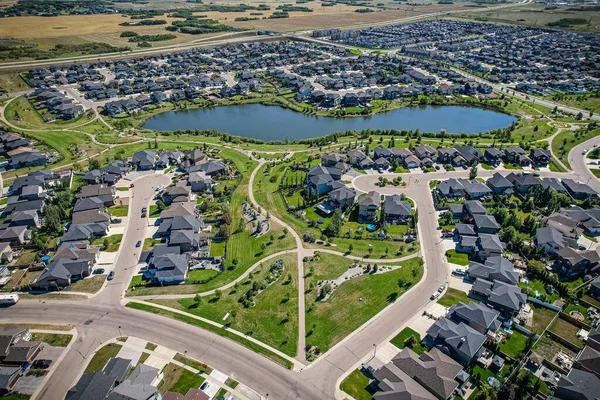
(573, 262)
(15, 236)
(342, 198)
(322, 180)
(495, 268)
(577, 385)
(63, 272)
(211, 168)
(368, 207)
(486, 224)
(90, 217)
(395, 209)
(500, 185)
(176, 194)
(88, 203)
(94, 385)
(118, 367)
(433, 371)
(476, 315)
(144, 160)
(554, 184)
(550, 239)
(138, 386)
(504, 297)
(169, 268)
(78, 232)
(588, 360)
(489, 245)
(458, 340)
(200, 182)
(579, 191)
(9, 376)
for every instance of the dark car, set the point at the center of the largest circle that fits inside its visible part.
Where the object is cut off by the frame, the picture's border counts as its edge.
(98, 271)
(116, 220)
(144, 209)
(41, 364)
(143, 215)
(138, 244)
(110, 276)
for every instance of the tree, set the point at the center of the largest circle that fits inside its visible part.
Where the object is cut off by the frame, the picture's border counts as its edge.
(285, 231)
(106, 243)
(326, 289)
(93, 164)
(218, 295)
(473, 172)
(350, 248)
(579, 116)
(410, 342)
(52, 219)
(197, 299)
(506, 392)
(161, 205)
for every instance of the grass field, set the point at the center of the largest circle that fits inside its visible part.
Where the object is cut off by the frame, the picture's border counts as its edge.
(454, 296)
(354, 302)
(219, 331)
(12, 82)
(178, 379)
(399, 339)
(541, 318)
(88, 285)
(457, 258)
(21, 113)
(536, 15)
(114, 241)
(102, 356)
(565, 141)
(273, 320)
(566, 330)
(514, 345)
(119, 211)
(357, 385)
(52, 339)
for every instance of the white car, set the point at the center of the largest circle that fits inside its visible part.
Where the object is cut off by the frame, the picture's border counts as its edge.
(584, 151)
(459, 271)
(441, 288)
(435, 295)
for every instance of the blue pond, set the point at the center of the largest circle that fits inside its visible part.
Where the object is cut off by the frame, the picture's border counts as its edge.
(275, 123)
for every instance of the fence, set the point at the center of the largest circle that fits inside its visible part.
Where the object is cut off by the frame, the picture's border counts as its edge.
(574, 321)
(544, 304)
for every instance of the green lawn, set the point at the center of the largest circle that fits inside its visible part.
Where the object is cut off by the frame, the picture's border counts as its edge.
(457, 258)
(539, 286)
(483, 373)
(357, 385)
(149, 244)
(200, 274)
(114, 241)
(514, 345)
(596, 172)
(154, 211)
(273, 319)
(219, 331)
(122, 189)
(454, 296)
(88, 285)
(102, 356)
(354, 302)
(20, 112)
(399, 339)
(567, 331)
(52, 339)
(190, 362)
(566, 140)
(119, 211)
(186, 379)
(217, 249)
(541, 318)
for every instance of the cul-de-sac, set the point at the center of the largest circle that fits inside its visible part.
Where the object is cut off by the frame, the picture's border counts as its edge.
(312, 200)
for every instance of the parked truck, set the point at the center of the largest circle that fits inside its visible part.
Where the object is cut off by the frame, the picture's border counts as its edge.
(8, 299)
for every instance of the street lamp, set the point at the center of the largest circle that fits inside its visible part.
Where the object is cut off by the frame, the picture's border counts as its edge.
(120, 335)
(185, 357)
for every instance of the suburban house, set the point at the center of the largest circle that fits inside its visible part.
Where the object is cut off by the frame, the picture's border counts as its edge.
(396, 210)
(573, 262)
(144, 160)
(492, 155)
(16, 348)
(540, 157)
(458, 340)
(342, 198)
(322, 180)
(432, 375)
(504, 297)
(476, 316)
(199, 182)
(500, 185)
(368, 207)
(494, 268)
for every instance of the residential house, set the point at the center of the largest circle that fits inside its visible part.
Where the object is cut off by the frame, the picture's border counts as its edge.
(15, 236)
(342, 198)
(540, 157)
(63, 272)
(500, 185)
(432, 375)
(516, 155)
(458, 340)
(492, 155)
(200, 182)
(425, 151)
(579, 191)
(368, 207)
(504, 297)
(176, 194)
(476, 316)
(396, 210)
(494, 268)
(486, 224)
(16, 347)
(577, 385)
(573, 262)
(144, 160)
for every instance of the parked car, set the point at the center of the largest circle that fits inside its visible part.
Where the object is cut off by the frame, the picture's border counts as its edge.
(132, 185)
(435, 295)
(98, 271)
(459, 272)
(41, 364)
(205, 386)
(116, 220)
(144, 209)
(138, 244)
(441, 288)
(144, 215)
(110, 276)
(584, 151)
